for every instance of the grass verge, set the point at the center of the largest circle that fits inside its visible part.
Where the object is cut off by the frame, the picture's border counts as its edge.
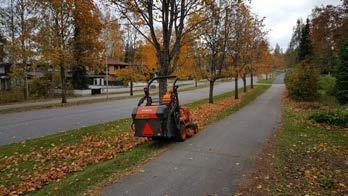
(302, 157)
(100, 172)
(310, 158)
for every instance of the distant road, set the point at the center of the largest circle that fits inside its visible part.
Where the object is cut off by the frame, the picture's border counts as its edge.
(115, 92)
(15, 127)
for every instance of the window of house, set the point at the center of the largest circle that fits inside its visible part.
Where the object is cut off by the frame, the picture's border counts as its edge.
(2, 70)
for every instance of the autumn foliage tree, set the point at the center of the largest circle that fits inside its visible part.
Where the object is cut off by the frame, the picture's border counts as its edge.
(68, 39)
(240, 42)
(258, 39)
(190, 64)
(87, 46)
(163, 24)
(129, 75)
(214, 40)
(113, 37)
(59, 34)
(18, 19)
(326, 22)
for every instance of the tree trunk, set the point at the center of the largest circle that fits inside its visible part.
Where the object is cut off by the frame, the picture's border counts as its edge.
(266, 76)
(26, 85)
(63, 80)
(236, 87)
(196, 83)
(131, 88)
(163, 71)
(211, 91)
(162, 88)
(244, 83)
(252, 80)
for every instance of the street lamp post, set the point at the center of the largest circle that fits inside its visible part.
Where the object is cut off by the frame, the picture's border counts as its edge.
(107, 75)
(106, 63)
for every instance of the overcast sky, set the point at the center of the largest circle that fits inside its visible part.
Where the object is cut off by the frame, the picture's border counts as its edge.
(281, 16)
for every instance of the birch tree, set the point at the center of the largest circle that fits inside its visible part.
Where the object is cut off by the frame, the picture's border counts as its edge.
(18, 21)
(57, 36)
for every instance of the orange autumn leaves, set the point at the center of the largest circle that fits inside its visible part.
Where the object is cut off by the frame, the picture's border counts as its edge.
(55, 162)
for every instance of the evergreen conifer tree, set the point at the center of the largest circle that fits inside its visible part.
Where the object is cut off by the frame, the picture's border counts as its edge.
(342, 70)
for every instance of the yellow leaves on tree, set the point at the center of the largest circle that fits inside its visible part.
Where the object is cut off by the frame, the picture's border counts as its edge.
(131, 73)
(87, 30)
(113, 34)
(148, 57)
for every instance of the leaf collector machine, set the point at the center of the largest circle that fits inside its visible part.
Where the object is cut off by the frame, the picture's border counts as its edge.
(164, 118)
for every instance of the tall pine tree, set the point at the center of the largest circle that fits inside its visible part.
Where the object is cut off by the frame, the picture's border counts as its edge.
(301, 81)
(342, 70)
(305, 48)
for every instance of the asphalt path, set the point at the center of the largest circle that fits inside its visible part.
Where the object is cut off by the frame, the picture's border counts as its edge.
(212, 162)
(16, 127)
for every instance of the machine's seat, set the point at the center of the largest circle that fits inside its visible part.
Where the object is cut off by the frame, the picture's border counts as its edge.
(167, 98)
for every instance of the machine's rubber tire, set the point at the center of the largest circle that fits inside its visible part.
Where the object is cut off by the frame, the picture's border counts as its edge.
(195, 128)
(182, 135)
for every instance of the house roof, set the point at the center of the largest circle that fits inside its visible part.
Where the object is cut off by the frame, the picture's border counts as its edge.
(116, 62)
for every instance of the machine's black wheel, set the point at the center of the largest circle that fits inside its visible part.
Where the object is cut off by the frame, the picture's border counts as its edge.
(156, 138)
(182, 135)
(196, 129)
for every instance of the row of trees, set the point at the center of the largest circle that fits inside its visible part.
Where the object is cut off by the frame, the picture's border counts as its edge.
(201, 39)
(194, 39)
(326, 34)
(319, 47)
(57, 34)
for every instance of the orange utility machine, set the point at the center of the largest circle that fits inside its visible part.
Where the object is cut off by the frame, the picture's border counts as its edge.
(164, 118)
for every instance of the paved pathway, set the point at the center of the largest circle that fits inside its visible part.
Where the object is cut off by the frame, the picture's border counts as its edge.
(210, 163)
(15, 127)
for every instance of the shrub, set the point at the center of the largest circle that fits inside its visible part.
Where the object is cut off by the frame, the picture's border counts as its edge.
(14, 95)
(302, 83)
(332, 117)
(39, 87)
(327, 84)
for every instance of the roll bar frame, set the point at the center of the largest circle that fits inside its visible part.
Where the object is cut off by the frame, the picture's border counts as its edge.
(147, 89)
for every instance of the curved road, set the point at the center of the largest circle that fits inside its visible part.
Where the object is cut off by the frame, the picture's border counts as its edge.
(211, 163)
(15, 127)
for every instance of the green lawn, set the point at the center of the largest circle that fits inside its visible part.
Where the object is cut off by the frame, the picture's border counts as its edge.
(311, 158)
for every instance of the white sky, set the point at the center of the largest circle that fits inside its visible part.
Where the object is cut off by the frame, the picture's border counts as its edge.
(281, 16)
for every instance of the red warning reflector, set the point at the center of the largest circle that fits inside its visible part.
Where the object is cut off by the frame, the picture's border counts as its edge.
(147, 129)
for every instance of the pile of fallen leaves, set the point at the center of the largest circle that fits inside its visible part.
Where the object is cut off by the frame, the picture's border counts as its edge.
(29, 172)
(205, 112)
(54, 163)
